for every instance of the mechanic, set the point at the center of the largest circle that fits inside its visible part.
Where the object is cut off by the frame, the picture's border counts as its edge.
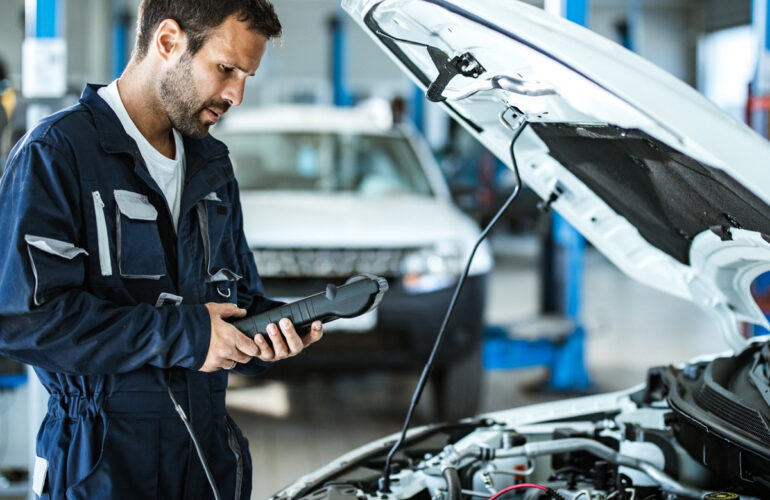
(122, 256)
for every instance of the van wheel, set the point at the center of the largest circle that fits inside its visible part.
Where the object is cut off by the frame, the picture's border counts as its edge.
(457, 387)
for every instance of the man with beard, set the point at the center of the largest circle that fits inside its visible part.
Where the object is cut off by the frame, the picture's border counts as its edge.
(124, 254)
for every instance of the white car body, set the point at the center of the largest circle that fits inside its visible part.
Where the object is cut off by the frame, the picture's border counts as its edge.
(312, 219)
(671, 189)
(596, 82)
(328, 193)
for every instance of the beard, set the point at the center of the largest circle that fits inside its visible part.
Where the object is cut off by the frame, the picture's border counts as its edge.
(181, 102)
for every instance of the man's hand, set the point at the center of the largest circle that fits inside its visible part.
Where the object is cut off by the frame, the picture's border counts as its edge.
(228, 346)
(289, 344)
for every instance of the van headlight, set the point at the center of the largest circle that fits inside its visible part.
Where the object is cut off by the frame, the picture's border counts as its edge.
(430, 269)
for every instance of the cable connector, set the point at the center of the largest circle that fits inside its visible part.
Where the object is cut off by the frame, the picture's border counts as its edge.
(545, 206)
(486, 453)
(554, 494)
(451, 458)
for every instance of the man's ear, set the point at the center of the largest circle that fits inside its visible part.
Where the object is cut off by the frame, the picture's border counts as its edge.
(169, 41)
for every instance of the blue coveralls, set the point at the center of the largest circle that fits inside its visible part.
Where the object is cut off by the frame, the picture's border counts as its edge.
(88, 251)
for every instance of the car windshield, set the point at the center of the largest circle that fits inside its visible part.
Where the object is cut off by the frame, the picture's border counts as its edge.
(365, 164)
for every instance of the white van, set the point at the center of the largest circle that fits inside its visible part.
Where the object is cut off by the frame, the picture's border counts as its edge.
(329, 193)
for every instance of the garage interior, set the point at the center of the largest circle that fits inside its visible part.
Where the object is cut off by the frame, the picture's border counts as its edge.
(559, 319)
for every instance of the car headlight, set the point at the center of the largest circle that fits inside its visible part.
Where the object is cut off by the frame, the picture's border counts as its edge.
(430, 269)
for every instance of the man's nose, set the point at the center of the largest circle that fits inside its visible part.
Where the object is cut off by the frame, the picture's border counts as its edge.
(233, 93)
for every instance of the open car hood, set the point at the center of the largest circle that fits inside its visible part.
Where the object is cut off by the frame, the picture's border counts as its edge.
(671, 189)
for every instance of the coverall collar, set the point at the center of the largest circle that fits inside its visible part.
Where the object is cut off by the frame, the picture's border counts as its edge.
(113, 138)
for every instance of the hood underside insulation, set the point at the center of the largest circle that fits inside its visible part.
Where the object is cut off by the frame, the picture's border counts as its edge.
(668, 196)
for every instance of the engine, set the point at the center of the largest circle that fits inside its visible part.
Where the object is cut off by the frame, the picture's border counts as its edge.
(653, 442)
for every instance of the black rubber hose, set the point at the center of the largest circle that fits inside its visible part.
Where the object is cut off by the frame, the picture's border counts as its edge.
(453, 486)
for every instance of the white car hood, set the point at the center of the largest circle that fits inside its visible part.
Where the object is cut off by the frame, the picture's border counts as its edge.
(301, 219)
(673, 190)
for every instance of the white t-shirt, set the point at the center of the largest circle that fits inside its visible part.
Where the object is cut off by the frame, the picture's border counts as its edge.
(167, 173)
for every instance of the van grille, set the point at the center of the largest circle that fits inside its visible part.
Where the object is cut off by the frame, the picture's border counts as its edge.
(341, 262)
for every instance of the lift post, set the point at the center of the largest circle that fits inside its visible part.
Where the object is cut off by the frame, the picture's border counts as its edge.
(44, 83)
(118, 37)
(757, 115)
(569, 371)
(561, 345)
(339, 67)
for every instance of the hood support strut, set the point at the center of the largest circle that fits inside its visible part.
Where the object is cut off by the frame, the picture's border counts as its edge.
(384, 481)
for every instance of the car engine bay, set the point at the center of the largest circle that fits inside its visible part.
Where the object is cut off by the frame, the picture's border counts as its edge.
(695, 431)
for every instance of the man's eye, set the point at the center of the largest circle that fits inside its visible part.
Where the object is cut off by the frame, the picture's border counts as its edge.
(226, 69)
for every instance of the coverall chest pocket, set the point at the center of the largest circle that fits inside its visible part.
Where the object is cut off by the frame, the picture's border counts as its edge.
(218, 245)
(140, 251)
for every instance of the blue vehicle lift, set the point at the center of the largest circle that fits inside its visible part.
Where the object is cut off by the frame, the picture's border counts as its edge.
(761, 291)
(758, 120)
(339, 31)
(417, 108)
(562, 349)
(44, 19)
(121, 19)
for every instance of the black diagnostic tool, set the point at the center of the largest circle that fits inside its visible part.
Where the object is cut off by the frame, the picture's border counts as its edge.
(360, 294)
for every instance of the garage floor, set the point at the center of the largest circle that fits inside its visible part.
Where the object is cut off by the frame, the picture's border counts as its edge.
(297, 427)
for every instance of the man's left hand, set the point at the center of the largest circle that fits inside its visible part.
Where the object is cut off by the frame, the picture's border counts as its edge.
(286, 342)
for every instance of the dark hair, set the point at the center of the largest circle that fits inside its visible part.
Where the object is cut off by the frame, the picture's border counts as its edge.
(198, 17)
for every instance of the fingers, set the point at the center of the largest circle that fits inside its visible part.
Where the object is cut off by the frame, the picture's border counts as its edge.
(316, 332)
(232, 353)
(239, 313)
(293, 340)
(218, 364)
(265, 352)
(286, 342)
(227, 310)
(208, 367)
(224, 310)
(245, 345)
(227, 346)
(276, 339)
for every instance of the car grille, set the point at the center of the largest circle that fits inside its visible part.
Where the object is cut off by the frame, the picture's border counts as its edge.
(342, 262)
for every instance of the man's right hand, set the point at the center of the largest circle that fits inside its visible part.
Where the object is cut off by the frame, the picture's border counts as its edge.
(228, 346)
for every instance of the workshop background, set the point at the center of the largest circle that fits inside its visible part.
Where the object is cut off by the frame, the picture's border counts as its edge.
(558, 318)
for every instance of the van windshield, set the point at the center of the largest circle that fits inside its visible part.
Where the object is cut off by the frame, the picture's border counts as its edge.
(329, 162)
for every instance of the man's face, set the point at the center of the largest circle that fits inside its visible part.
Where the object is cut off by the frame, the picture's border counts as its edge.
(197, 89)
